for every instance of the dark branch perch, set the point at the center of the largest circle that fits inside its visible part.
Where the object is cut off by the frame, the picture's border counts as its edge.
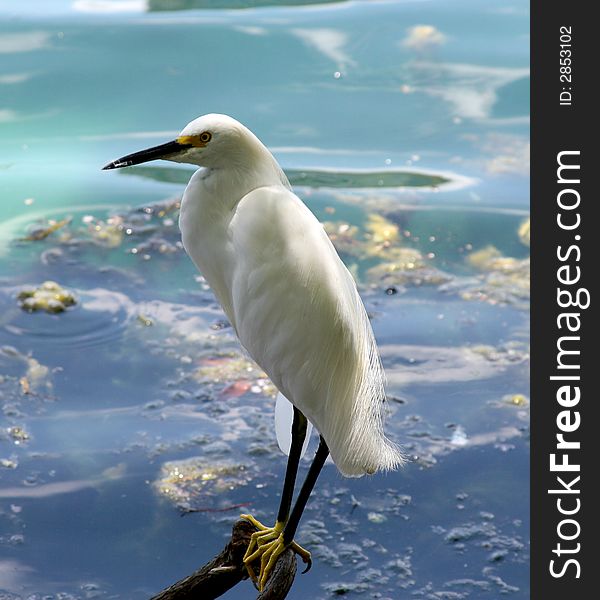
(226, 570)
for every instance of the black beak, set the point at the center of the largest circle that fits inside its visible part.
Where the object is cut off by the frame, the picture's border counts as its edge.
(162, 151)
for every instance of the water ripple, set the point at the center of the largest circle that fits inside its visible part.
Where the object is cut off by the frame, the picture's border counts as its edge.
(100, 317)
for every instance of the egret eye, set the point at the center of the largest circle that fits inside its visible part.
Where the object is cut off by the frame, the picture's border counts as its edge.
(205, 137)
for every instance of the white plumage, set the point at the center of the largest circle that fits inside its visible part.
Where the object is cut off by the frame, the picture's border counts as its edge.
(294, 307)
(289, 297)
(284, 418)
(291, 300)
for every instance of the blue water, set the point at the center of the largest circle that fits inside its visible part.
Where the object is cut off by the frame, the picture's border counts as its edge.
(413, 113)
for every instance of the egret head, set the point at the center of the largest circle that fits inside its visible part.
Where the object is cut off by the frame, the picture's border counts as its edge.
(212, 140)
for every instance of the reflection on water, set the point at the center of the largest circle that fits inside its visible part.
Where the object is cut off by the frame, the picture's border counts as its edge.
(314, 177)
(168, 5)
(134, 429)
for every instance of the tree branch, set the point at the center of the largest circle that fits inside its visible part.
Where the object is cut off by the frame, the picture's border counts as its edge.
(227, 569)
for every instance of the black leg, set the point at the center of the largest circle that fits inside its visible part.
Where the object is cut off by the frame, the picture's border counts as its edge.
(298, 436)
(307, 487)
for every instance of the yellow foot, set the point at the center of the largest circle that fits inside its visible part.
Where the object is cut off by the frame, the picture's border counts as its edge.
(267, 544)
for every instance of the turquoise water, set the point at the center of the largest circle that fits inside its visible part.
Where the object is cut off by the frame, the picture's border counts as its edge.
(404, 127)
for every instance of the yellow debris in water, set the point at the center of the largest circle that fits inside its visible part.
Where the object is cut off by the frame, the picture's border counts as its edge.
(18, 434)
(36, 378)
(241, 374)
(145, 321)
(36, 372)
(505, 280)
(401, 259)
(183, 481)
(524, 231)
(481, 259)
(227, 368)
(41, 233)
(490, 259)
(344, 237)
(25, 387)
(49, 297)
(396, 264)
(518, 400)
(406, 266)
(109, 233)
(382, 234)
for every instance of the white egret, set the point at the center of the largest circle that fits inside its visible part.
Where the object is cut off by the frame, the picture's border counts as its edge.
(292, 303)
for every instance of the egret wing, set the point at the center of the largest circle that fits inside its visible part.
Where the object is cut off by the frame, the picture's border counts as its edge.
(297, 311)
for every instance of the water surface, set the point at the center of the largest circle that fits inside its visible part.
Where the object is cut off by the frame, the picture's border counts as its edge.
(404, 127)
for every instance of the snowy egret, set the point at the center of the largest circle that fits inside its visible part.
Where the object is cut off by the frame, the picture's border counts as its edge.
(292, 303)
